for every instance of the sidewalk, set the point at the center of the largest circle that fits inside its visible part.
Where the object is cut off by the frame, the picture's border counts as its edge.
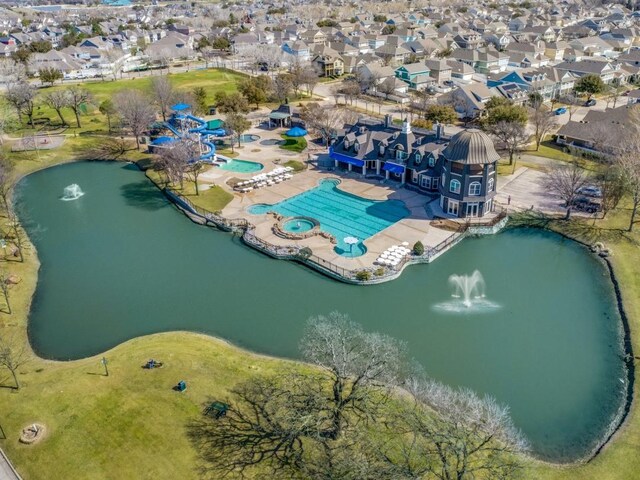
(7, 472)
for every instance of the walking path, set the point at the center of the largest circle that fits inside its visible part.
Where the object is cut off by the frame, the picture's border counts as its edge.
(7, 472)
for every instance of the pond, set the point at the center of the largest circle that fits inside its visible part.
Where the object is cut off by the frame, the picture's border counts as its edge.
(120, 261)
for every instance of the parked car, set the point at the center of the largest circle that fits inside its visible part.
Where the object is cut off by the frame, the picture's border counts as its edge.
(590, 191)
(560, 111)
(586, 204)
(590, 103)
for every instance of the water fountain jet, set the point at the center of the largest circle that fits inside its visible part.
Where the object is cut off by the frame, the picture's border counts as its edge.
(72, 192)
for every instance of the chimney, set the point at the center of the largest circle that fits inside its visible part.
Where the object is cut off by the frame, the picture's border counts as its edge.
(388, 121)
(439, 131)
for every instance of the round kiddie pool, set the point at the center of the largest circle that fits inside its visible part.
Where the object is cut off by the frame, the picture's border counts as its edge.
(298, 225)
(249, 138)
(242, 166)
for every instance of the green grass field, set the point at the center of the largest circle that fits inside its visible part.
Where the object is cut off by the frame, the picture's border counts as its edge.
(294, 144)
(93, 121)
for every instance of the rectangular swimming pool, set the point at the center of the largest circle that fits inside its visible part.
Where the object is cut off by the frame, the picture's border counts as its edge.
(340, 213)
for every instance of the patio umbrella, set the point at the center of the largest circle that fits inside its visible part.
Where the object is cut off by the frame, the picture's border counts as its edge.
(296, 132)
(351, 241)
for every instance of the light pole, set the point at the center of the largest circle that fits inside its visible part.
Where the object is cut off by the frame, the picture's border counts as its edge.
(106, 369)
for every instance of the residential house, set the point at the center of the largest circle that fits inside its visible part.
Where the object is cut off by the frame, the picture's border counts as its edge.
(605, 70)
(439, 70)
(298, 49)
(416, 75)
(461, 71)
(329, 63)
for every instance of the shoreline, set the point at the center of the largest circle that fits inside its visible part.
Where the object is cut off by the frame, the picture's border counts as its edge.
(608, 439)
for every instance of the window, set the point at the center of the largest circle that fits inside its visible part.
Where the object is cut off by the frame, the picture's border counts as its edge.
(347, 144)
(414, 176)
(435, 182)
(490, 185)
(400, 155)
(381, 150)
(474, 188)
(425, 182)
(418, 158)
(356, 146)
(432, 161)
(454, 186)
(443, 179)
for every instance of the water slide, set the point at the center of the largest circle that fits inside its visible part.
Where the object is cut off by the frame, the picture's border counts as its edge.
(176, 132)
(211, 153)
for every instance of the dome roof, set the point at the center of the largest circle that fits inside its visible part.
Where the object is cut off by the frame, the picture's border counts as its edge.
(471, 147)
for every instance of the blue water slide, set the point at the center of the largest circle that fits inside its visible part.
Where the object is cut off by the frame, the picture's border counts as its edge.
(202, 125)
(212, 151)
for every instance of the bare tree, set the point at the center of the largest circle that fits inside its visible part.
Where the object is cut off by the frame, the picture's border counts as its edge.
(6, 180)
(17, 235)
(612, 185)
(163, 94)
(22, 95)
(354, 361)
(282, 87)
(238, 124)
(450, 434)
(4, 288)
(57, 99)
(627, 160)
(325, 121)
(543, 121)
(78, 98)
(572, 101)
(512, 136)
(177, 159)
(310, 79)
(565, 181)
(13, 355)
(136, 112)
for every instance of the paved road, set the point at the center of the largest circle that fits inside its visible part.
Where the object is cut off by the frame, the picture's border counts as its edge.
(7, 472)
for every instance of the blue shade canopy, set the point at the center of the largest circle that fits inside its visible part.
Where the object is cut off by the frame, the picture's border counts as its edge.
(162, 141)
(178, 107)
(296, 132)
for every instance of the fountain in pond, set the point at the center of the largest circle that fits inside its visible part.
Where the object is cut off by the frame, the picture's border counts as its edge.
(72, 192)
(468, 295)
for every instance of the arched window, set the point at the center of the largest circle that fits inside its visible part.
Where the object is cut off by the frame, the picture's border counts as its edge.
(432, 160)
(490, 185)
(418, 158)
(474, 188)
(454, 186)
(381, 150)
(356, 146)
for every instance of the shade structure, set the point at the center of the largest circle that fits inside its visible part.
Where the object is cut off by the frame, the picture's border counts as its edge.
(178, 107)
(296, 132)
(393, 168)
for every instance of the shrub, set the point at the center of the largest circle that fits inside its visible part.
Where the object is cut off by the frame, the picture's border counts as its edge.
(363, 275)
(418, 248)
(422, 123)
(305, 253)
(379, 272)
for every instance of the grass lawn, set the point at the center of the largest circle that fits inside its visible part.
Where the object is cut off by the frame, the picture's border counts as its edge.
(296, 165)
(293, 144)
(213, 80)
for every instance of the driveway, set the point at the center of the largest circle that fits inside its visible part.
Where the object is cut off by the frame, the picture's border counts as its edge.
(525, 190)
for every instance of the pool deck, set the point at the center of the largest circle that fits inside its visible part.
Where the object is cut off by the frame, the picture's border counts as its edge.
(413, 228)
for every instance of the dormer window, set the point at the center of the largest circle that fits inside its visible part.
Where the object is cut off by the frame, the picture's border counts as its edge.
(381, 150)
(347, 144)
(356, 146)
(432, 161)
(418, 158)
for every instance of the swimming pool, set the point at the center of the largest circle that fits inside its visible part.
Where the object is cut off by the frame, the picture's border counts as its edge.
(249, 138)
(242, 166)
(340, 214)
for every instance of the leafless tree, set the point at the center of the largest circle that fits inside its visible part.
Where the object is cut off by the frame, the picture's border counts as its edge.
(21, 96)
(627, 160)
(135, 111)
(16, 234)
(282, 87)
(296, 76)
(451, 434)
(13, 355)
(612, 185)
(6, 180)
(310, 78)
(176, 160)
(77, 97)
(565, 181)
(57, 99)
(325, 121)
(354, 361)
(4, 288)
(163, 94)
(543, 121)
(115, 61)
(512, 136)
(572, 101)
(387, 86)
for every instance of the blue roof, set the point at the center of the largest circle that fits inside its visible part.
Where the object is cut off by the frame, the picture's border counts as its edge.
(393, 167)
(296, 132)
(180, 106)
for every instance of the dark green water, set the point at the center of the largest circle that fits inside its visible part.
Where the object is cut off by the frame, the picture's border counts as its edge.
(121, 262)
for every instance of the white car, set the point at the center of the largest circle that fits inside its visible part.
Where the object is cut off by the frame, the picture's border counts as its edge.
(590, 191)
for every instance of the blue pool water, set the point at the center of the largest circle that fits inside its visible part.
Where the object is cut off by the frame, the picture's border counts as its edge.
(242, 166)
(340, 214)
(296, 225)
